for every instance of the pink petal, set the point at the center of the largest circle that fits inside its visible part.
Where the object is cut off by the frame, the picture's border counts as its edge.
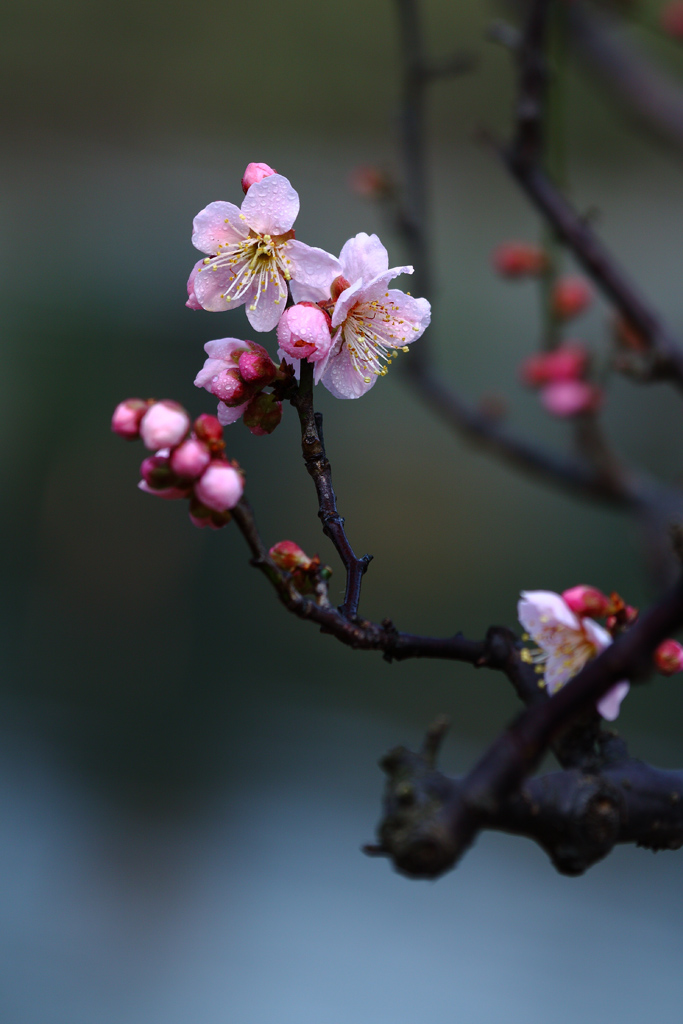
(536, 605)
(217, 224)
(363, 257)
(342, 379)
(398, 319)
(227, 349)
(271, 206)
(226, 415)
(313, 271)
(210, 284)
(264, 311)
(377, 286)
(609, 705)
(210, 369)
(192, 302)
(598, 634)
(346, 301)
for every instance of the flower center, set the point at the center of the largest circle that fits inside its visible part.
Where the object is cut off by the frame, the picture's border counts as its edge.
(257, 259)
(373, 333)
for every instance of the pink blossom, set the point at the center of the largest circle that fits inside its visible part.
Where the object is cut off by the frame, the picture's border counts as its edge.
(126, 419)
(304, 333)
(567, 642)
(220, 375)
(371, 322)
(192, 302)
(190, 459)
(254, 173)
(164, 424)
(568, 362)
(220, 487)
(585, 600)
(669, 657)
(570, 397)
(252, 254)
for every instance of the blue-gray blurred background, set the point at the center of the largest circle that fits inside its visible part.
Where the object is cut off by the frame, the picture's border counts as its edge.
(187, 773)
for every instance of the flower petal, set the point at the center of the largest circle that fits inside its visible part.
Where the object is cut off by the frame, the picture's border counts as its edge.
(342, 379)
(560, 668)
(264, 307)
(312, 268)
(597, 634)
(540, 608)
(609, 705)
(209, 370)
(211, 283)
(217, 224)
(346, 301)
(363, 257)
(271, 206)
(227, 415)
(227, 349)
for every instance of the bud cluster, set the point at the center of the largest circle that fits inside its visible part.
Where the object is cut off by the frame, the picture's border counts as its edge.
(560, 375)
(189, 459)
(237, 372)
(589, 602)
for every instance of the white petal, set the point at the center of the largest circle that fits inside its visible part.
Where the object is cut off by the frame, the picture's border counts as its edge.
(377, 286)
(265, 308)
(217, 224)
(363, 257)
(560, 669)
(539, 608)
(346, 301)
(271, 206)
(210, 285)
(599, 636)
(311, 267)
(608, 706)
(209, 370)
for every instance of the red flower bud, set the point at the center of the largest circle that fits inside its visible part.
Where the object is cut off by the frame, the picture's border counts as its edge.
(585, 600)
(669, 657)
(339, 285)
(157, 473)
(126, 419)
(256, 367)
(519, 259)
(571, 295)
(254, 173)
(207, 428)
(568, 362)
(288, 556)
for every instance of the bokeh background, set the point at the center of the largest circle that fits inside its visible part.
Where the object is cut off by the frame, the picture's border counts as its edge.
(187, 773)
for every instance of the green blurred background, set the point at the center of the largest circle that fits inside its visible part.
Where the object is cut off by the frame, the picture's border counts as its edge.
(187, 772)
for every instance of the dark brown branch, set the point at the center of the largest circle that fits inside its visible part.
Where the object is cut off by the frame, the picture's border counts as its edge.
(524, 160)
(493, 791)
(318, 466)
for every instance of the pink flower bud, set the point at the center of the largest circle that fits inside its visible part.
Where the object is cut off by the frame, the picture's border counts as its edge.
(126, 419)
(164, 424)
(669, 657)
(288, 556)
(192, 301)
(570, 397)
(304, 332)
(339, 285)
(220, 487)
(254, 173)
(156, 472)
(256, 367)
(584, 600)
(190, 459)
(671, 19)
(568, 362)
(263, 414)
(571, 295)
(207, 428)
(519, 259)
(230, 388)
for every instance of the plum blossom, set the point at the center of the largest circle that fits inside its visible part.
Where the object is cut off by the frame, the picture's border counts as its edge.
(567, 642)
(370, 322)
(252, 254)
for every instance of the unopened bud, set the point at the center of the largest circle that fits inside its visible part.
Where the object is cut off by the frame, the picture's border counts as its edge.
(519, 259)
(126, 419)
(669, 657)
(304, 330)
(288, 556)
(339, 285)
(567, 398)
(220, 487)
(571, 295)
(164, 425)
(584, 600)
(207, 428)
(254, 173)
(190, 459)
(263, 414)
(156, 471)
(568, 362)
(256, 367)
(230, 388)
